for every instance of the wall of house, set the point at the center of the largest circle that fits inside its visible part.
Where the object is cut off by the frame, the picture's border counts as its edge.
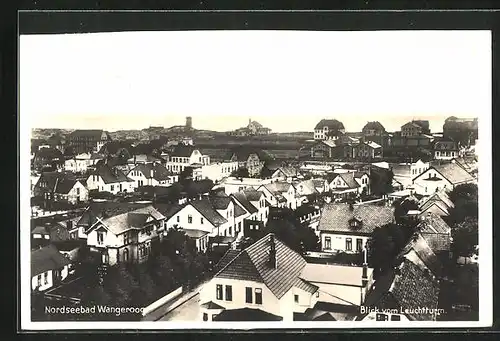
(306, 300)
(445, 154)
(181, 220)
(329, 292)
(43, 286)
(94, 182)
(218, 171)
(269, 304)
(426, 187)
(338, 242)
(79, 193)
(110, 239)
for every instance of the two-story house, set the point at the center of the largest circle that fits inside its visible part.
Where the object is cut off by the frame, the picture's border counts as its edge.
(247, 158)
(415, 128)
(404, 173)
(327, 128)
(112, 180)
(48, 159)
(445, 149)
(60, 187)
(441, 177)
(281, 194)
(48, 268)
(152, 174)
(254, 202)
(82, 162)
(348, 228)
(218, 171)
(126, 237)
(184, 156)
(348, 184)
(373, 128)
(84, 141)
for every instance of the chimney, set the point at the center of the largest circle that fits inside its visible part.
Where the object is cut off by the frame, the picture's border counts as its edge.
(272, 252)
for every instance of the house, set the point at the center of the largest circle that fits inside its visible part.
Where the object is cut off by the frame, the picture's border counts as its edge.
(253, 128)
(373, 128)
(404, 173)
(347, 228)
(321, 185)
(418, 251)
(286, 174)
(281, 194)
(350, 183)
(85, 141)
(108, 179)
(405, 293)
(327, 128)
(415, 128)
(444, 176)
(248, 158)
(152, 174)
(305, 188)
(445, 149)
(316, 169)
(327, 149)
(264, 276)
(364, 151)
(218, 171)
(126, 237)
(144, 159)
(339, 284)
(48, 158)
(309, 214)
(82, 162)
(232, 184)
(48, 268)
(40, 232)
(60, 187)
(255, 203)
(184, 156)
(438, 203)
(436, 233)
(462, 130)
(467, 163)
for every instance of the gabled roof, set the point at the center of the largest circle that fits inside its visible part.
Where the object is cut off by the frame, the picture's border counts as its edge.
(64, 186)
(159, 171)
(40, 230)
(348, 178)
(241, 198)
(450, 171)
(374, 125)
(288, 171)
(136, 219)
(220, 202)
(251, 264)
(111, 175)
(336, 217)
(106, 209)
(306, 187)
(277, 187)
(407, 286)
(246, 314)
(432, 223)
(49, 153)
(331, 124)
(88, 133)
(226, 259)
(439, 196)
(45, 259)
(182, 150)
(373, 145)
(206, 209)
(424, 252)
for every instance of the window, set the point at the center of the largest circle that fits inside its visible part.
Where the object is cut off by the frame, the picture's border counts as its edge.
(296, 298)
(190, 219)
(348, 244)
(395, 318)
(218, 291)
(248, 295)
(46, 278)
(125, 255)
(178, 219)
(100, 238)
(382, 317)
(113, 187)
(201, 220)
(258, 296)
(77, 191)
(328, 243)
(317, 293)
(126, 238)
(205, 317)
(359, 244)
(39, 280)
(229, 292)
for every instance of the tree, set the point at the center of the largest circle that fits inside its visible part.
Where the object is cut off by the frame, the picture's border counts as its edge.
(465, 237)
(401, 209)
(381, 181)
(467, 192)
(465, 199)
(241, 172)
(386, 243)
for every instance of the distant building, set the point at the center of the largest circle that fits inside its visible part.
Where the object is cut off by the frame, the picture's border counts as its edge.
(110, 179)
(247, 158)
(415, 128)
(184, 156)
(404, 173)
(253, 128)
(373, 128)
(328, 129)
(48, 159)
(85, 141)
(462, 130)
(445, 149)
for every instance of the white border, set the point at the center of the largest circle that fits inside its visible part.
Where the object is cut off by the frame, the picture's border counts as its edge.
(485, 273)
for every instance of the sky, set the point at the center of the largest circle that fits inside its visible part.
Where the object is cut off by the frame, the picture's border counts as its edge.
(286, 80)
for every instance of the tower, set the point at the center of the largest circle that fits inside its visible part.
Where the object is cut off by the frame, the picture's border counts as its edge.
(189, 123)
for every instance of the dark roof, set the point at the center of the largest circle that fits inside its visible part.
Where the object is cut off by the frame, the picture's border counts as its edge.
(40, 230)
(228, 257)
(49, 153)
(331, 124)
(454, 173)
(198, 187)
(207, 210)
(106, 209)
(195, 234)
(374, 125)
(336, 217)
(169, 210)
(136, 219)
(424, 252)
(432, 223)
(220, 202)
(159, 171)
(89, 133)
(246, 314)
(113, 147)
(238, 209)
(348, 179)
(243, 200)
(407, 287)
(111, 175)
(47, 258)
(53, 178)
(252, 265)
(182, 150)
(63, 186)
(212, 305)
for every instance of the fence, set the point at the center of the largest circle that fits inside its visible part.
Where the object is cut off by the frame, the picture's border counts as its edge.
(174, 294)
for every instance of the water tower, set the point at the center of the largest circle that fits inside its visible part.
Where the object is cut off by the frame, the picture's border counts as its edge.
(189, 123)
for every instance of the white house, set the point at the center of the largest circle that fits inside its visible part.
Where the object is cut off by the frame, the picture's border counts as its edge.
(80, 163)
(152, 174)
(348, 228)
(112, 180)
(254, 202)
(126, 237)
(441, 177)
(70, 190)
(404, 173)
(281, 194)
(218, 171)
(287, 174)
(350, 183)
(232, 184)
(48, 268)
(186, 156)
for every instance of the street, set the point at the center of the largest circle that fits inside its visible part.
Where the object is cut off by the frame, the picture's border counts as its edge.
(188, 311)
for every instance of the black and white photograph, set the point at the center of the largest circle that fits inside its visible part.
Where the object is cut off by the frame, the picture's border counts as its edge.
(220, 178)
